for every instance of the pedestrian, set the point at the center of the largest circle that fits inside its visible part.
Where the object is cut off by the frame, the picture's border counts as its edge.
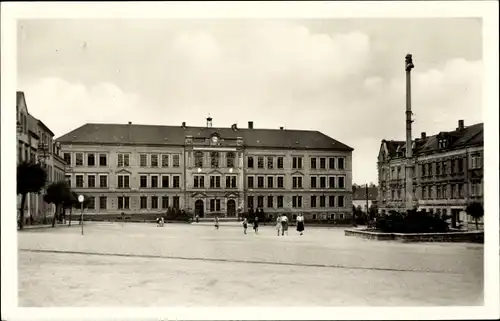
(300, 224)
(162, 221)
(217, 222)
(197, 218)
(256, 224)
(278, 224)
(245, 225)
(284, 225)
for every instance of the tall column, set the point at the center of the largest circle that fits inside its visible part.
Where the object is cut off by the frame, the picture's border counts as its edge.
(409, 163)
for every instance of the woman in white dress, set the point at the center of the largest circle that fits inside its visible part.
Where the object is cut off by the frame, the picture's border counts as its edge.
(300, 224)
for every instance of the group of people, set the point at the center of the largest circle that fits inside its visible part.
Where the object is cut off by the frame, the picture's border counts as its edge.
(281, 224)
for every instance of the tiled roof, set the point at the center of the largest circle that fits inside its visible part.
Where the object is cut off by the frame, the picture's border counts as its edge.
(392, 146)
(360, 193)
(175, 136)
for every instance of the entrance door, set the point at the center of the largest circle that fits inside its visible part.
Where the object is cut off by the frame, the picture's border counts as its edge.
(454, 217)
(231, 208)
(199, 208)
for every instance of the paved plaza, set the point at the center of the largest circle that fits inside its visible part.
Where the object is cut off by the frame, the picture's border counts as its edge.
(187, 265)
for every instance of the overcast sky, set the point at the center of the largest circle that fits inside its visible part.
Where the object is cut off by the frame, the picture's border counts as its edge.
(343, 77)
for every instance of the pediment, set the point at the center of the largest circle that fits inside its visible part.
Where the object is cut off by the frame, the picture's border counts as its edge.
(123, 171)
(199, 194)
(231, 194)
(297, 173)
(215, 172)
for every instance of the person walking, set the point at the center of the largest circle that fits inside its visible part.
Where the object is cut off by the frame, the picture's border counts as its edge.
(300, 224)
(197, 218)
(256, 224)
(245, 225)
(284, 225)
(278, 224)
(216, 222)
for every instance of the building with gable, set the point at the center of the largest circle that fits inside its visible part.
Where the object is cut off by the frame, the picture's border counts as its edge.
(209, 171)
(448, 172)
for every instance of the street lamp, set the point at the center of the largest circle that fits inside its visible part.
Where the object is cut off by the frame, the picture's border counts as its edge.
(80, 199)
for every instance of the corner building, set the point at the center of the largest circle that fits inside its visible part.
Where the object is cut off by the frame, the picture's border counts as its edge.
(209, 171)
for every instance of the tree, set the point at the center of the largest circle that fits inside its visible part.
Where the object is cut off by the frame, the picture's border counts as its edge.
(70, 203)
(31, 178)
(57, 193)
(475, 210)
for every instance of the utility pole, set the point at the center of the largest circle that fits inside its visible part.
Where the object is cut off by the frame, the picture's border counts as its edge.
(409, 163)
(367, 209)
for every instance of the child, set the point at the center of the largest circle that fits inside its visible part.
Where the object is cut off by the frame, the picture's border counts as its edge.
(245, 225)
(256, 225)
(217, 222)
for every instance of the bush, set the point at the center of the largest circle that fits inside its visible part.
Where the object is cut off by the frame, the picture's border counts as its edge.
(175, 214)
(412, 222)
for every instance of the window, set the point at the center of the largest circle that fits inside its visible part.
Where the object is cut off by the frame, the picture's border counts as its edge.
(103, 160)
(461, 190)
(103, 202)
(477, 161)
(123, 181)
(340, 163)
(429, 166)
(214, 181)
(313, 162)
(280, 182)
(123, 160)
(250, 162)
(90, 160)
(250, 181)
(176, 159)
(331, 201)
(164, 160)
(78, 159)
(438, 169)
(199, 181)
(314, 217)
(79, 180)
(67, 158)
(452, 166)
(143, 160)
(322, 163)
(177, 202)
(270, 181)
(198, 159)
(123, 202)
(165, 182)
(297, 162)
(177, 181)
(214, 159)
(341, 200)
(91, 203)
(164, 202)
(230, 159)
(260, 181)
(438, 192)
(91, 181)
(445, 191)
(297, 182)
(144, 202)
(341, 181)
(144, 181)
(444, 168)
(313, 182)
(313, 201)
(331, 182)
(270, 201)
(322, 201)
(270, 162)
(297, 201)
(231, 181)
(103, 181)
(341, 216)
(260, 162)
(214, 205)
(250, 201)
(260, 201)
(424, 192)
(279, 202)
(331, 163)
(461, 165)
(154, 202)
(399, 194)
(322, 182)
(154, 181)
(154, 160)
(280, 162)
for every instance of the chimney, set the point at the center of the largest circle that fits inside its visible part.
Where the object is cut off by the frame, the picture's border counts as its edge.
(130, 123)
(234, 127)
(183, 124)
(423, 135)
(250, 124)
(281, 128)
(460, 124)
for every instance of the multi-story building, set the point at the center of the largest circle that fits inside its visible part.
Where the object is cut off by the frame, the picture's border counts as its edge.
(209, 171)
(448, 172)
(35, 143)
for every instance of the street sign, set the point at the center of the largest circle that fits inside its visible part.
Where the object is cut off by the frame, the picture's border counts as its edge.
(80, 198)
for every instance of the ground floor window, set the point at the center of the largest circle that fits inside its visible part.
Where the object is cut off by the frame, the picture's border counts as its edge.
(154, 202)
(103, 200)
(164, 202)
(314, 216)
(144, 202)
(176, 202)
(123, 203)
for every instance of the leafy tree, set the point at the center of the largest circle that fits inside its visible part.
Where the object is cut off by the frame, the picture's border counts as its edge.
(475, 210)
(57, 193)
(31, 178)
(70, 203)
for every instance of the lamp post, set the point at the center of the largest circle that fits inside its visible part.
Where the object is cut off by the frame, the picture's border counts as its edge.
(409, 166)
(81, 199)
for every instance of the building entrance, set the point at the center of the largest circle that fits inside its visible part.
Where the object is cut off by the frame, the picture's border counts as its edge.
(199, 208)
(231, 208)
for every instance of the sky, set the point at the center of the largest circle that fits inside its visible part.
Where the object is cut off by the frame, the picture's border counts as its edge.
(343, 77)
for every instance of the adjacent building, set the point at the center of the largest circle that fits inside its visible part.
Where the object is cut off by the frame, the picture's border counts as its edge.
(364, 197)
(448, 172)
(209, 171)
(35, 143)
